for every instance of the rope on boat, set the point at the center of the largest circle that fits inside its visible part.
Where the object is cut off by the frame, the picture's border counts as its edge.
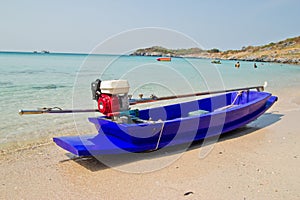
(239, 93)
(160, 134)
(237, 96)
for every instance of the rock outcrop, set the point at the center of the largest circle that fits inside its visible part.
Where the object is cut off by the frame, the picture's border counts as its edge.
(286, 51)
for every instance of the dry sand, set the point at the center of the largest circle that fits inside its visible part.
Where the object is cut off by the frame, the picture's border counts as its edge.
(259, 161)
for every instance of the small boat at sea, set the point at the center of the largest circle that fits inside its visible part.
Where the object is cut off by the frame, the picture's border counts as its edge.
(41, 52)
(121, 130)
(216, 62)
(166, 59)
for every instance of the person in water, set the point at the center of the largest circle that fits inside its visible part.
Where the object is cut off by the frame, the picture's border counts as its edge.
(237, 65)
(255, 66)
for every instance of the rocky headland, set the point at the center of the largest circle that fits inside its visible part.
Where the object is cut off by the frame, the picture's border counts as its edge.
(286, 51)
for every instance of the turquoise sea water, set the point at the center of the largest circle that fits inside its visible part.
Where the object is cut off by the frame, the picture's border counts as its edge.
(30, 81)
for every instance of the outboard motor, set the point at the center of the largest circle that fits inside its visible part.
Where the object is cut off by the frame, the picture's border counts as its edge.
(111, 96)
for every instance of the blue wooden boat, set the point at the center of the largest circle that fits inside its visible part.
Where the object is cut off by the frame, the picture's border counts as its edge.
(181, 123)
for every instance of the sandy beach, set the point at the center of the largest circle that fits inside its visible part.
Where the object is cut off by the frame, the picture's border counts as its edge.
(259, 161)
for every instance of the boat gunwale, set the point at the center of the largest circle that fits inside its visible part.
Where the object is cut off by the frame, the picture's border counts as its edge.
(265, 95)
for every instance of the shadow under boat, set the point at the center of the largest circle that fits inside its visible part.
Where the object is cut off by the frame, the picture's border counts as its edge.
(96, 163)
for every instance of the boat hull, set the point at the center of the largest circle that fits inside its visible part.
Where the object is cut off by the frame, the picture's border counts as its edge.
(172, 125)
(165, 59)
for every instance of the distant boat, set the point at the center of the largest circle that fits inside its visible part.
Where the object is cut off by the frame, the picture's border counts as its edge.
(168, 59)
(216, 61)
(43, 51)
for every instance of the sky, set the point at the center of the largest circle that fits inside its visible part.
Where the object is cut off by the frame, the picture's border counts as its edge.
(79, 26)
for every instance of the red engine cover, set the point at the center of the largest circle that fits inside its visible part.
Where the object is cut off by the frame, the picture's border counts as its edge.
(108, 104)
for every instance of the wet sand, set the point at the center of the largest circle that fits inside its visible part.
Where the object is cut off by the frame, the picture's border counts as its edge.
(259, 161)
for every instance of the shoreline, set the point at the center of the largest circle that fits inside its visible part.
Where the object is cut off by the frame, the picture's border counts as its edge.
(246, 163)
(13, 147)
(290, 62)
(245, 60)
